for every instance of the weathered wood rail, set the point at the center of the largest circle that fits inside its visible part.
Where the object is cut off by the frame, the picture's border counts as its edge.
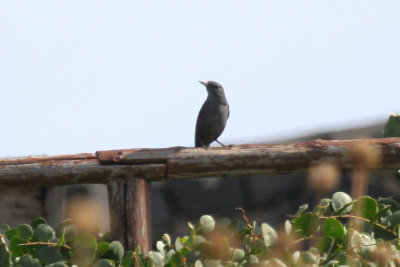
(128, 173)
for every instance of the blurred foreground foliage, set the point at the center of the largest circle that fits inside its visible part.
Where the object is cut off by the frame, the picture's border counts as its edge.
(339, 231)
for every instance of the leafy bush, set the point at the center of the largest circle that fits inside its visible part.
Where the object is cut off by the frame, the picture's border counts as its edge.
(37, 244)
(338, 232)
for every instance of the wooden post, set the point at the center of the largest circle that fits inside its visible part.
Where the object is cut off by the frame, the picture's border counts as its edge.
(138, 214)
(116, 201)
(130, 212)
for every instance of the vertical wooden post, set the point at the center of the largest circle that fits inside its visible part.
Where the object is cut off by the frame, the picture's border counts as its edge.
(138, 214)
(130, 212)
(116, 201)
(54, 204)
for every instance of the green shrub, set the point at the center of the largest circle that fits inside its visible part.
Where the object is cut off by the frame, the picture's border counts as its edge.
(338, 232)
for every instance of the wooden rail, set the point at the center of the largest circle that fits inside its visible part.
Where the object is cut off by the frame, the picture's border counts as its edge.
(128, 173)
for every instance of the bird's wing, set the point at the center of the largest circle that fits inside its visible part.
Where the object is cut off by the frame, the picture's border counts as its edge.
(199, 124)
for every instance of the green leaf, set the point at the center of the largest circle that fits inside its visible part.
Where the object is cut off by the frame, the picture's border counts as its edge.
(325, 202)
(4, 253)
(104, 263)
(190, 240)
(128, 260)
(192, 229)
(168, 255)
(15, 248)
(28, 261)
(395, 217)
(43, 232)
(383, 211)
(238, 254)
(156, 258)
(307, 224)
(11, 233)
(257, 247)
(206, 224)
(309, 257)
(178, 244)
(301, 209)
(323, 206)
(365, 207)
(341, 200)
(244, 231)
(60, 229)
(389, 201)
(166, 239)
(253, 260)
(364, 241)
(84, 248)
(333, 228)
(114, 252)
(25, 232)
(61, 241)
(66, 232)
(176, 260)
(102, 247)
(66, 253)
(48, 255)
(58, 264)
(325, 244)
(198, 240)
(392, 127)
(269, 234)
(4, 228)
(288, 227)
(37, 222)
(70, 233)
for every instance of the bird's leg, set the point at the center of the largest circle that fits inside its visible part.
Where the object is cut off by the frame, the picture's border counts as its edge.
(216, 140)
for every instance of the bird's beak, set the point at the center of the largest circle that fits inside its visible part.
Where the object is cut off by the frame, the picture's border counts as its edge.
(203, 83)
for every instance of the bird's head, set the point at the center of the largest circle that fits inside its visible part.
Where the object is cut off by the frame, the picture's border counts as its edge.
(214, 88)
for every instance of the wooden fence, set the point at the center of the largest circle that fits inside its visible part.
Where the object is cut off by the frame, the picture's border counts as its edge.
(129, 173)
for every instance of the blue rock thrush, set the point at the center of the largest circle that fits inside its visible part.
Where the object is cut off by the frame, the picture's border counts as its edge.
(213, 115)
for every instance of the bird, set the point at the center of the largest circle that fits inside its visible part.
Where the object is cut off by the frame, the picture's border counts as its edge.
(212, 116)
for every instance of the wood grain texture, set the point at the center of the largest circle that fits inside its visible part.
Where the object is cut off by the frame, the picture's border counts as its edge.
(138, 214)
(117, 204)
(245, 160)
(67, 173)
(38, 159)
(130, 212)
(181, 162)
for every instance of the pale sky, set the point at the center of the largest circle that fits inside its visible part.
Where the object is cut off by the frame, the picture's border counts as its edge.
(81, 76)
